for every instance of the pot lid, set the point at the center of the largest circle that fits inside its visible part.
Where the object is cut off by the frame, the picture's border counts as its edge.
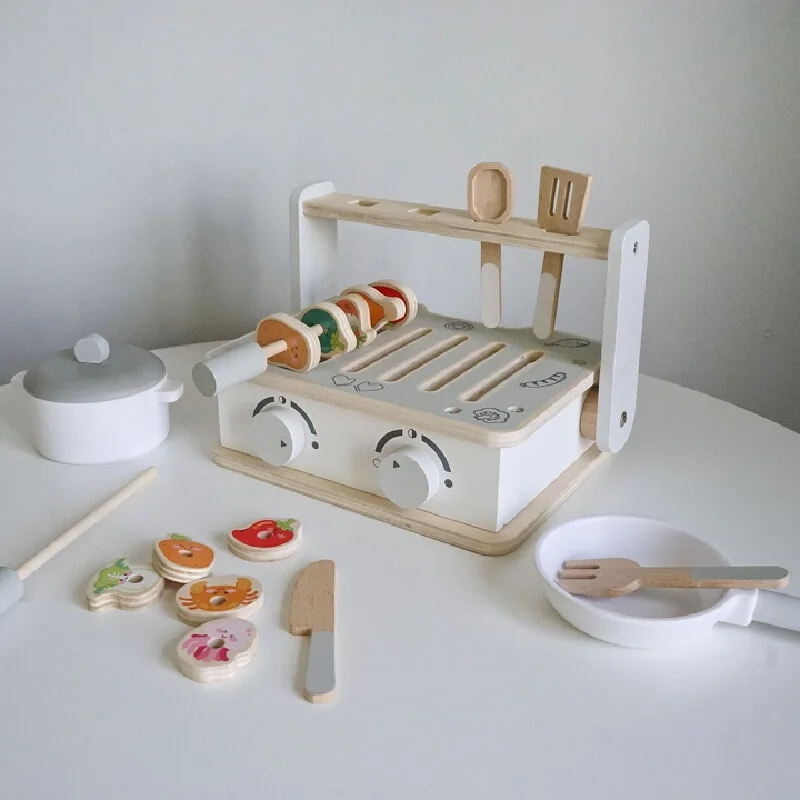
(95, 370)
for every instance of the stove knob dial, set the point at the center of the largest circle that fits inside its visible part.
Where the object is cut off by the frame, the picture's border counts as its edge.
(409, 476)
(278, 435)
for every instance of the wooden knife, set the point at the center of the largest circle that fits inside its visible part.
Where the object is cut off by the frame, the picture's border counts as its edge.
(311, 612)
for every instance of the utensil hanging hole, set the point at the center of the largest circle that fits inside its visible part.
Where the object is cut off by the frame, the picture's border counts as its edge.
(427, 212)
(453, 410)
(567, 199)
(516, 409)
(365, 203)
(553, 197)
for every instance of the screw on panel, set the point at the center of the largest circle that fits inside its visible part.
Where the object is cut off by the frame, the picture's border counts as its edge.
(623, 419)
(635, 248)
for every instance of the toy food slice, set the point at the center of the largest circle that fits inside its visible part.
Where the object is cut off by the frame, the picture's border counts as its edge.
(404, 293)
(337, 336)
(125, 586)
(266, 539)
(218, 596)
(302, 351)
(217, 650)
(382, 310)
(357, 312)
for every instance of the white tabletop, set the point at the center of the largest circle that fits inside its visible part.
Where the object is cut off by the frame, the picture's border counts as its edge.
(456, 679)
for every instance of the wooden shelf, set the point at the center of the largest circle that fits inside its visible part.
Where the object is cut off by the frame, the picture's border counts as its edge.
(517, 232)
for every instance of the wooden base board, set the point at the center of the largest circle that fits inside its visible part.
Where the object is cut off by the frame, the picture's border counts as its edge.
(468, 537)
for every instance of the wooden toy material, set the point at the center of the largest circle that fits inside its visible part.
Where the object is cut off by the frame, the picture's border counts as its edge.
(217, 650)
(383, 310)
(179, 558)
(465, 432)
(563, 197)
(266, 540)
(126, 586)
(357, 312)
(402, 292)
(312, 612)
(217, 597)
(337, 336)
(615, 577)
(490, 198)
(11, 580)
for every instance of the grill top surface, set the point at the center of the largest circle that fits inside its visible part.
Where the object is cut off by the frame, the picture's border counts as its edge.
(493, 386)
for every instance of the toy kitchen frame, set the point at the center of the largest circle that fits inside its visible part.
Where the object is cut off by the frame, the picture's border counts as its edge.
(489, 429)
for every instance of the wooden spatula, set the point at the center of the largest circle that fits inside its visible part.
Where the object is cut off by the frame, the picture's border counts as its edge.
(614, 577)
(312, 612)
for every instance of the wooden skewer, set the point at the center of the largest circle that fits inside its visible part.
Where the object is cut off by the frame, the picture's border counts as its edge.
(11, 587)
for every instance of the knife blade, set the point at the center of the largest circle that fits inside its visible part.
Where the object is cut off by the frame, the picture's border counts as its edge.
(311, 611)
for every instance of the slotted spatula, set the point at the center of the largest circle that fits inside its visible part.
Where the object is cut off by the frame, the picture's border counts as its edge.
(615, 577)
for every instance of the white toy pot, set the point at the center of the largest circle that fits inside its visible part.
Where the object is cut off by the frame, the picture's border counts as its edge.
(99, 402)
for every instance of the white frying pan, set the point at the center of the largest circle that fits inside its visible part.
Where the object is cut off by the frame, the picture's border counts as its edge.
(653, 618)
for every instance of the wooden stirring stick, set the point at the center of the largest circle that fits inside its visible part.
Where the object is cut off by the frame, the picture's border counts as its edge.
(11, 586)
(615, 577)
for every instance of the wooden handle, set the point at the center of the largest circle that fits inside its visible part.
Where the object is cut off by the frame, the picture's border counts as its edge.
(712, 577)
(69, 536)
(544, 319)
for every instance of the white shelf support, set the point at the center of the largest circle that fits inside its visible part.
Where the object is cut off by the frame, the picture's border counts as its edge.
(313, 244)
(622, 333)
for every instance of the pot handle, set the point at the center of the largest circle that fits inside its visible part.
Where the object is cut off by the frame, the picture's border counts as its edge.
(170, 391)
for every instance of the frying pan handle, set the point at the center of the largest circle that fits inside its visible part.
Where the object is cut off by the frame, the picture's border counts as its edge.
(740, 607)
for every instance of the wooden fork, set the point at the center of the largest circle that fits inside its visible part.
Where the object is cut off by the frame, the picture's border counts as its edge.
(614, 577)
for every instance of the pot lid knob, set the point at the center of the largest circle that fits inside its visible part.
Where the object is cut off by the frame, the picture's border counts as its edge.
(92, 349)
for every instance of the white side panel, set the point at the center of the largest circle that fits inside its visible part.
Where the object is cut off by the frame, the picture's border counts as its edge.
(491, 295)
(313, 248)
(622, 334)
(529, 468)
(346, 453)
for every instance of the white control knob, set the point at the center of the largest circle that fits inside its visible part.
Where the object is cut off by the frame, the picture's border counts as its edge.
(409, 476)
(278, 435)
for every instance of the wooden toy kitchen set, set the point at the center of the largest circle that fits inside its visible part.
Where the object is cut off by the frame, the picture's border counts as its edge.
(468, 433)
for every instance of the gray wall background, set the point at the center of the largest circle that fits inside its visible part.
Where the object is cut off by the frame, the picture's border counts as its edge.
(148, 149)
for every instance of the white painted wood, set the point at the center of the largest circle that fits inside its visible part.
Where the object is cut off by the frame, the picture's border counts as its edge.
(408, 476)
(229, 367)
(278, 435)
(313, 246)
(530, 467)
(622, 334)
(491, 301)
(11, 588)
(346, 451)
